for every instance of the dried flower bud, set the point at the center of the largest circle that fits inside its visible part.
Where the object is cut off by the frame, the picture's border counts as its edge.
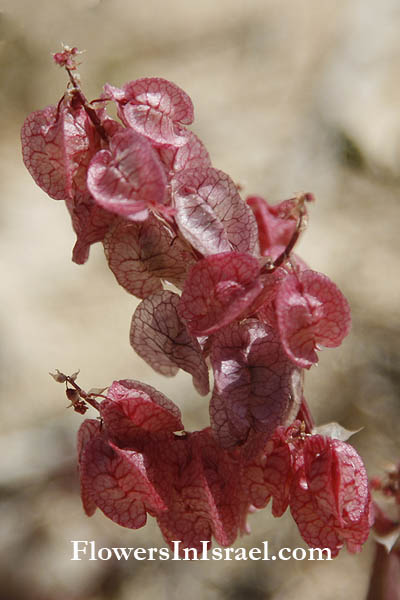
(72, 395)
(59, 377)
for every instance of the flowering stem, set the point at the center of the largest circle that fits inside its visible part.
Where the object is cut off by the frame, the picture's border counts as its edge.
(91, 113)
(86, 397)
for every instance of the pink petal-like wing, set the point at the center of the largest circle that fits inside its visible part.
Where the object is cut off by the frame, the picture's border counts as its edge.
(222, 470)
(265, 308)
(155, 108)
(160, 337)
(274, 232)
(210, 213)
(322, 530)
(316, 528)
(193, 155)
(118, 483)
(200, 485)
(218, 290)
(91, 223)
(254, 377)
(57, 145)
(43, 152)
(221, 423)
(141, 254)
(336, 477)
(330, 499)
(271, 474)
(89, 429)
(355, 533)
(176, 473)
(128, 178)
(133, 408)
(310, 310)
(334, 323)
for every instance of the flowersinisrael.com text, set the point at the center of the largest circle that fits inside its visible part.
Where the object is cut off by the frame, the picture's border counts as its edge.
(88, 550)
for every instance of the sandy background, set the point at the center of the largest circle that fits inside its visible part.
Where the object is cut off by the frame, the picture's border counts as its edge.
(289, 95)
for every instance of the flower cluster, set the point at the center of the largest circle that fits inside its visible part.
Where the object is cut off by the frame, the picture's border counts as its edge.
(220, 288)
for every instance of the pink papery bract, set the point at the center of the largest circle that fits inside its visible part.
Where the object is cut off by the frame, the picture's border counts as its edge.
(316, 528)
(142, 254)
(264, 305)
(89, 429)
(115, 480)
(191, 485)
(128, 178)
(159, 336)
(57, 145)
(210, 213)
(224, 471)
(200, 485)
(257, 386)
(276, 225)
(218, 290)
(336, 478)
(219, 419)
(271, 474)
(155, 108)
(193, 155)
(330, 500)
(90, 222)
(311, 311)
(133, 410)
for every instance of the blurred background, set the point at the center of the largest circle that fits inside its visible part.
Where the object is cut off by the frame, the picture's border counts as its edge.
(289, 95)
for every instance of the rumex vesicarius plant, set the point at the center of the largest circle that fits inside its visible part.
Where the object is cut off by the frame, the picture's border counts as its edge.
(220, 288)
